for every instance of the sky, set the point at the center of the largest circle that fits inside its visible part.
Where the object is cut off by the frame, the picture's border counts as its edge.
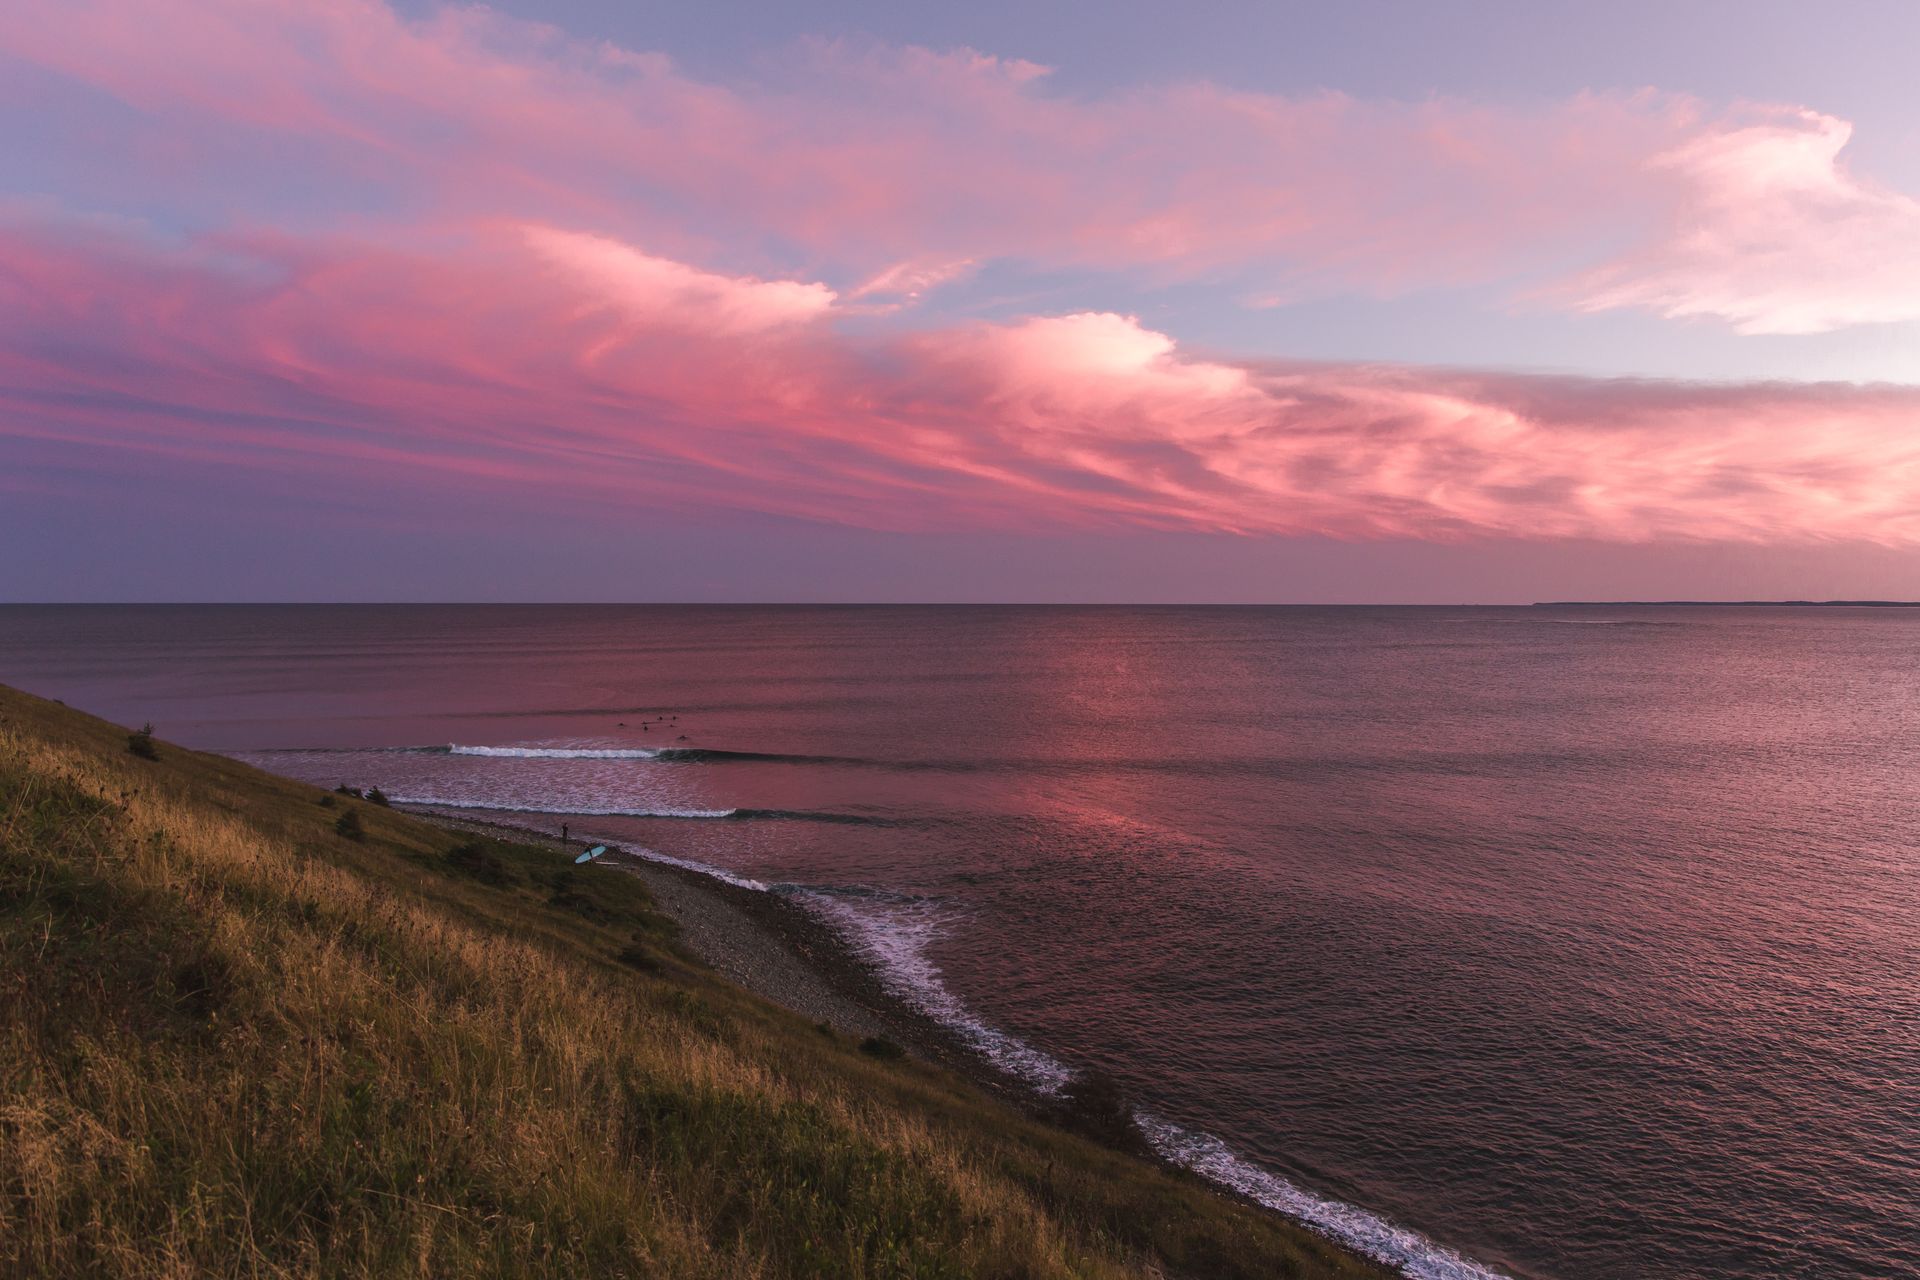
(1263, 302)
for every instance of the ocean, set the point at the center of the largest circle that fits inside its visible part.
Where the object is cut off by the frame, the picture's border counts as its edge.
(1542, 943)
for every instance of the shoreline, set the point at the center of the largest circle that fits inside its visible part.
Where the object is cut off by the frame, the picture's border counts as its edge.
(760, 939)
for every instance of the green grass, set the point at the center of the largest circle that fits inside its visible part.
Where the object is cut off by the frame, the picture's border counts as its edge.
(235, 1042)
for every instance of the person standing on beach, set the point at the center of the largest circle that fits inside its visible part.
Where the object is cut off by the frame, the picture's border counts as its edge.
(563, 835)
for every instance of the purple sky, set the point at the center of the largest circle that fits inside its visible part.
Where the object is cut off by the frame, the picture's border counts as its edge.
(337, 299)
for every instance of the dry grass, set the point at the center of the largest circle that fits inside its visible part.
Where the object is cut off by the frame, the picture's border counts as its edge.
(238, 1044)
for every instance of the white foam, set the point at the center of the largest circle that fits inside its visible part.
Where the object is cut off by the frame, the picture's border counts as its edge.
(1416, 1256)
(896, 941)
(637, 851)
(560, 753)
(436, 802)
(705, 869)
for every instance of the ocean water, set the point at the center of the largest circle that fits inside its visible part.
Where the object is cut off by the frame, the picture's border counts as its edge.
(1538, 943)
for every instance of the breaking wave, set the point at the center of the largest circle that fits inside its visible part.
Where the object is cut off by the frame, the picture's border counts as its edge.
(895, 943)
(688, 755)
(497, 806)
(590, 811)
(896, 940)
(1416, 1256)
(557, 753)
(703, 868)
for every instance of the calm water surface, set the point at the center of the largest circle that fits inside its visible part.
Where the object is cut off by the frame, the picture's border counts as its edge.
(1573, 943)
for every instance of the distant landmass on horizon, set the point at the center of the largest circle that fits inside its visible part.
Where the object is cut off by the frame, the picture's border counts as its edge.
(1726, 604)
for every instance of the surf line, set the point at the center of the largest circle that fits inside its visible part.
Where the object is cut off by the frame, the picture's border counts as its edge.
(895, 944)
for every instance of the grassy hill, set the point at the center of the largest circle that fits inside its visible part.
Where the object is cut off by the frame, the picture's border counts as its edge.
(235, 1041)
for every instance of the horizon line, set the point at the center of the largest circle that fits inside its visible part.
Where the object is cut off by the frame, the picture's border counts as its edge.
(958, 604)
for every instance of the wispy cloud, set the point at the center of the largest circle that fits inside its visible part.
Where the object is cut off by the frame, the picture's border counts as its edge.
(1769, 230)
(886, 168)
(663, 293)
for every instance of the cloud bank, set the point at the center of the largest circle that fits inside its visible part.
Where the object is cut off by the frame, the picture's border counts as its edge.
(314, 240)
(541, 366)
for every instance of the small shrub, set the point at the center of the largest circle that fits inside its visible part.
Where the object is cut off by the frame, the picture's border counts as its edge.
(472, 859)
(580, 904)
(203, 985)
(825, 1029)
(882, 1048)
(376, 796)
(349, 826)
(325, 801)
(640, 958)
(700, 1016)
(141, 743)
(344, 790)
(1094, 1106)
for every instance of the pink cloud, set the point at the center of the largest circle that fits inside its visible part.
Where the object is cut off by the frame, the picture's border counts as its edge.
(659, 291)
(862, 159)
(609, 376)
(1772, 232)
(912, 278)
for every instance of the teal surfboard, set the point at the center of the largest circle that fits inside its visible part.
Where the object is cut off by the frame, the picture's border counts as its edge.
(590, 854)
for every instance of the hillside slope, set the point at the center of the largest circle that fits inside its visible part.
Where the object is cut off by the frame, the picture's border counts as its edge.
(235, 1041)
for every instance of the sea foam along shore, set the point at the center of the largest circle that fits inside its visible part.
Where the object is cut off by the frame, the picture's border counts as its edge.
(857, 969)
(771, 940)
(1416, 1256)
